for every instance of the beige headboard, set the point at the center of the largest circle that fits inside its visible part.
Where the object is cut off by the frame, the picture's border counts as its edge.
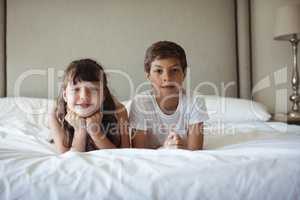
(44, 36)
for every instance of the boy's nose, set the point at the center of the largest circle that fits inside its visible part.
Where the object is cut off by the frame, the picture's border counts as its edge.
(166, 76)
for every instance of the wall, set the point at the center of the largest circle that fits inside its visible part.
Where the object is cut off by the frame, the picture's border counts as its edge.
(2, 49)
(272, 60)
(44, 36)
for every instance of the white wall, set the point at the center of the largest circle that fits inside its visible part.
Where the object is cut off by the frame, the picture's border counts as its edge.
(272, 60)
(46, 34)
(2, 50)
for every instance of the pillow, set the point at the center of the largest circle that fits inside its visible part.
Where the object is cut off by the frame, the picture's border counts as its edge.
(24, 115)
(230, 110)
(227, 109)
(220, 109)
(34, 110)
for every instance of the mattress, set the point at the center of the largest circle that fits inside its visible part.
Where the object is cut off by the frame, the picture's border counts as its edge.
(255, 160)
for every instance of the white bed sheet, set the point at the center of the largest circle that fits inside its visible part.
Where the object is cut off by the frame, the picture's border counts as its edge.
(240, 161)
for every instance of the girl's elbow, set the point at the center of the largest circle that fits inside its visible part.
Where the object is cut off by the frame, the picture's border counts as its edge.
(63, 150)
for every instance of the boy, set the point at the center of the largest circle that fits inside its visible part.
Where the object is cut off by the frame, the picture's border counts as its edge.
(164, 117)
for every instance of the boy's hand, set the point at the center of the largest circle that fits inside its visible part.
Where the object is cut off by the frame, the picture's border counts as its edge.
(75, 121)
(174, 141)
(93, 124)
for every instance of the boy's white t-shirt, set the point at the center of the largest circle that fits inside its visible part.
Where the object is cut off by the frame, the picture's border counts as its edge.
(145, 114)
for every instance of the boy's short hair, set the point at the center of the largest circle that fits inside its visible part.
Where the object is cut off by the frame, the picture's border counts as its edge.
(163, 50)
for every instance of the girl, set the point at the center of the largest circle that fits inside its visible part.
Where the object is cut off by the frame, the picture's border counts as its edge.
(87, 117)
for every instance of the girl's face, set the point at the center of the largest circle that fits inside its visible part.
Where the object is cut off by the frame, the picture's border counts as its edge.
(84, 98)
(166, 76)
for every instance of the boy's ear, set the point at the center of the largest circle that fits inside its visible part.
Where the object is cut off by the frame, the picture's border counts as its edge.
(147, 74)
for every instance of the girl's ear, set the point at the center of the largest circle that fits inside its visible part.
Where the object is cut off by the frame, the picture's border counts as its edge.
(65, 95)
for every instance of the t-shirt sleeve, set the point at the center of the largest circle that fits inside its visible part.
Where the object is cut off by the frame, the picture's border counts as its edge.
(137, 119)
(198, 111)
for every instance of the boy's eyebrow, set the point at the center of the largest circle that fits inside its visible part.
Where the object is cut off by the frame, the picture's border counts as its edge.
(158, 66)
(175, 65)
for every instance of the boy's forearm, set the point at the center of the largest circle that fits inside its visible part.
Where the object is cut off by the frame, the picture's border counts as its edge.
(195, 137)
(138, 139)
(195, 143)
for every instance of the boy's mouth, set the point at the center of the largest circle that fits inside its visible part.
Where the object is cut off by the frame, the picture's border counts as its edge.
(168, 86)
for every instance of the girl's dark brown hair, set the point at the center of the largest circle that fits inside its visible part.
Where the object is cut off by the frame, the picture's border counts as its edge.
(88, 70)
(162, 50)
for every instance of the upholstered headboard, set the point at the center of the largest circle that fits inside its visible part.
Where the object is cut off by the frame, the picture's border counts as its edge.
(43, 37)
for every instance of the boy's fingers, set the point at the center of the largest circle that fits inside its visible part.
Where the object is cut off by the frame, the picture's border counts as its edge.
(172, 135)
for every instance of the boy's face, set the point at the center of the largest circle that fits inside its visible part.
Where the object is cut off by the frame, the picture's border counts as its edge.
(166, 76)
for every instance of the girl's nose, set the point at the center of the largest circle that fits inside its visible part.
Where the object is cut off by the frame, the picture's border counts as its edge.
(84, 93)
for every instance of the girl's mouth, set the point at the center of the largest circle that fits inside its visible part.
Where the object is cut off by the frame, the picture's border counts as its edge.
(84, 105)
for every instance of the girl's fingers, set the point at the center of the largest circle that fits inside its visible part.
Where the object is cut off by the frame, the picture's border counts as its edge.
(69, 119)
(95, 118)
(93, 123)
(74, 120)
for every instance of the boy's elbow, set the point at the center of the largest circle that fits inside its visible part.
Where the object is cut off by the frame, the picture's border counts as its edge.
(195, 148)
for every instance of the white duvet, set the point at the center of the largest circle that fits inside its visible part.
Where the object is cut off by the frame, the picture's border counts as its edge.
(240, 161)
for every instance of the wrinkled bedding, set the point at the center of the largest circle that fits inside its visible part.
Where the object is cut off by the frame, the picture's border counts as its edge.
(257, 160)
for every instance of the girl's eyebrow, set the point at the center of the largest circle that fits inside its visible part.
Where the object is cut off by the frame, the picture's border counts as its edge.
(94, 85)
(91, 85)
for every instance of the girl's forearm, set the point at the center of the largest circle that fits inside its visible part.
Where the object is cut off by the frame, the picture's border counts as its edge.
(79, 140)
(101, 141)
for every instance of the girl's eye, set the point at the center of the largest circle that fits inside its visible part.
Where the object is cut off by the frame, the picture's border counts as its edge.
(94, 89)
(75, 89)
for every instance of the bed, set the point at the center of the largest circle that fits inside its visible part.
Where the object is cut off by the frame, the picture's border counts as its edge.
(245, 156)
(253, 159)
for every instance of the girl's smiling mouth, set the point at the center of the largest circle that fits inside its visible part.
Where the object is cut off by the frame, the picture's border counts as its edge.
(84, 105)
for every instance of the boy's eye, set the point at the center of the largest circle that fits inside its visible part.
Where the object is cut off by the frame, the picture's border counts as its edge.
(160, 71)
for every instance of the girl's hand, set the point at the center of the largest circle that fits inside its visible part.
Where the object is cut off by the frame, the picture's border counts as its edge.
(174, 141)
(75, 121)
(93, 124)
